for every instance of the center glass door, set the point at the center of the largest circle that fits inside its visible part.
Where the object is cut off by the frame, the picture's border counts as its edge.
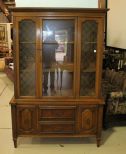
(58, 57)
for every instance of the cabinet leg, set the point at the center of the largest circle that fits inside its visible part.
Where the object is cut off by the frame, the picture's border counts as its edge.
(15, 143)
(14, 128)
(98, 142)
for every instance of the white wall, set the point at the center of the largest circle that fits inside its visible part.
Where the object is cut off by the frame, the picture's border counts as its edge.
(57, 3)
(116, 24)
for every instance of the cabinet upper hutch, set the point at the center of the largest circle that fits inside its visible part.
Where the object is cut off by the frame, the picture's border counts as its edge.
(58, 62)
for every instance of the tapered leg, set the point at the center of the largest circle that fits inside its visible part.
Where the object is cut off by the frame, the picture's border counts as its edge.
(98, 142)
(14, 128)
(99, 130)
(15, 143)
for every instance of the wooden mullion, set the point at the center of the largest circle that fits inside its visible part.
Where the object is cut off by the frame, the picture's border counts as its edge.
(100, 48)
(38, 58)
(78, 48)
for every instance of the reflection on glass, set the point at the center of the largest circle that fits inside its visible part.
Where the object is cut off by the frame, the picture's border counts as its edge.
(88, 58)
(57, 53)
(27, 57)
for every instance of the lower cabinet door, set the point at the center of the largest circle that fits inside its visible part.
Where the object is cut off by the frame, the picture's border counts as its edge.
(26, 119)
(87, 119)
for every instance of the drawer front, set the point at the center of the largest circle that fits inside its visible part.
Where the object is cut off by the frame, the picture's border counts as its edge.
(57, 112)
(54, 127)
(57, 119)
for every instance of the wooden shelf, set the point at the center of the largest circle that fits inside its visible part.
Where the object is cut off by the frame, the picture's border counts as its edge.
(89, 70)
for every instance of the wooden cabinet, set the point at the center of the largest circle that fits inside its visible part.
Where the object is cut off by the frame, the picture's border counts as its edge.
(58, 62)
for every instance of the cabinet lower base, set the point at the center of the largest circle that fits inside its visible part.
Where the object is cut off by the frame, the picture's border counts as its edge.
(98, 140)
(56, 121)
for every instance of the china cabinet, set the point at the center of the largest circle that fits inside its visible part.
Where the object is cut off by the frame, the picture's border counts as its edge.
(58, 62)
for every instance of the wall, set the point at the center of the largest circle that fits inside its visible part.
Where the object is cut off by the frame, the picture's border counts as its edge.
(8, 29)
(116, 24)
(57, 3)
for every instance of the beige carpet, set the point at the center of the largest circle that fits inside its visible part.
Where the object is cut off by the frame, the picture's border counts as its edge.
(5, 82)
(6, 90)
(6, 94)
(3, 86)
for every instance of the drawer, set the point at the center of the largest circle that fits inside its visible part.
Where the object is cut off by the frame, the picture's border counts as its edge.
(57, 112)
(56, 127)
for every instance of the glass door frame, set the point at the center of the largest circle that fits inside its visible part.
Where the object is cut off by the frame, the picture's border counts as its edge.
(17, 59)
(100, 45)
(74, 62)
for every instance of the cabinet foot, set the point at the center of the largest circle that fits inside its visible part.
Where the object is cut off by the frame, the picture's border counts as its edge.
(15, 143)
(98, 142)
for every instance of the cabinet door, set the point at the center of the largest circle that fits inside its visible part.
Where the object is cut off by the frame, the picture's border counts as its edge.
(87, 119)
(91, 36)
(26, 119)
(58, 57)
(26, 56)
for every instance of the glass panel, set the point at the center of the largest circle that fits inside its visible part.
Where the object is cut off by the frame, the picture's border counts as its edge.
(88, 58)
(58, 57)
(27, 47)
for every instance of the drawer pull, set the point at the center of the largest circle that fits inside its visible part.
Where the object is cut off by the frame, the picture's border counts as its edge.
(57, 122)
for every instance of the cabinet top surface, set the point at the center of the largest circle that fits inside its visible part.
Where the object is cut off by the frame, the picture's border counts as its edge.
(58, 9)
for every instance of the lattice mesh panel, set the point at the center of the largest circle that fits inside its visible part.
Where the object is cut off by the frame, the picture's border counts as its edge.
(87, 84)
(27, 49)
(27, 31)
(88, 58)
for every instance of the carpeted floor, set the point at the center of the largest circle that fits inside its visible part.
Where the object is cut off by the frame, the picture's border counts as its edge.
(3, 85)
(6, 87)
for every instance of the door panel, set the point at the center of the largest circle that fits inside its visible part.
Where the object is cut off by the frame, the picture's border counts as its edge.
(87, 119)
(26, 117)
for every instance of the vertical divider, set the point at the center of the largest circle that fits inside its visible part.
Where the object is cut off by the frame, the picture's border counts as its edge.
(100, 56)
(75, 58)
(78, 53)
(97, 59)
(38, 58)
(16, 57)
